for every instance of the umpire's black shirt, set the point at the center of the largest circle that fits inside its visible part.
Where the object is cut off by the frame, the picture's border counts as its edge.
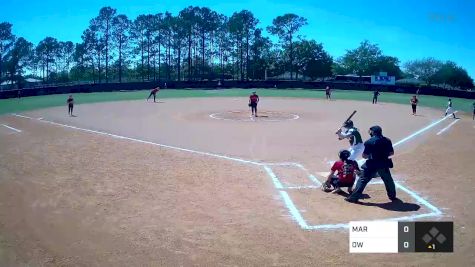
(378, 149)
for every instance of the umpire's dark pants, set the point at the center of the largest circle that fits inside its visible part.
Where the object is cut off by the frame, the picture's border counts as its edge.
(366, 177)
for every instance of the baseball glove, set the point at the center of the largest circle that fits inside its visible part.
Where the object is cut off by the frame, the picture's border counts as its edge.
(326, 187)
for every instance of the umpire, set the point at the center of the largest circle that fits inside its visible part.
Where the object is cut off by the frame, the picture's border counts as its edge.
(377, 151)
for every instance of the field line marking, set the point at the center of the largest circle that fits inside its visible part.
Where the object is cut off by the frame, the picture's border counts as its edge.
(446, 128)
(22, 116)
(293, 210)
(413, 194)
(145, 142)
(314, 179)
(274, 178)
(287, 201)
(302, 187)
(416, 133)
(421, 130)
(11, 128)
(297, 216)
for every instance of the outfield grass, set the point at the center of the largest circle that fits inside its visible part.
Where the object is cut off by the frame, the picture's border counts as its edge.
(37, 102)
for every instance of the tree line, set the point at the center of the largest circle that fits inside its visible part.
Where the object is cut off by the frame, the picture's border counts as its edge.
(200, 44)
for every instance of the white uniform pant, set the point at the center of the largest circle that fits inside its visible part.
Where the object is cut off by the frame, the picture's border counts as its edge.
(356, 151)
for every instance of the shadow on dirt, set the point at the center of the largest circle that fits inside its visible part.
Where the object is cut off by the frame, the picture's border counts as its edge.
(397, 205)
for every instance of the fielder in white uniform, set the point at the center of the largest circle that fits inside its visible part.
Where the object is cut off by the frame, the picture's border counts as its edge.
(450, 109)
(353, 135)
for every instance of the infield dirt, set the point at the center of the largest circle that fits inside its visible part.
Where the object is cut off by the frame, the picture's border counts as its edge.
(75, 198)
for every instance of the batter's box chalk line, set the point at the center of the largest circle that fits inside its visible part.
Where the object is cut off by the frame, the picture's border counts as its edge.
(288, 202)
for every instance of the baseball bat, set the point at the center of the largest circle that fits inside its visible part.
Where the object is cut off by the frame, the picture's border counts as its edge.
(349, 118)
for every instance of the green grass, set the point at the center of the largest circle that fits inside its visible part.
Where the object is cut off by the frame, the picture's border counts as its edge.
(37, 102)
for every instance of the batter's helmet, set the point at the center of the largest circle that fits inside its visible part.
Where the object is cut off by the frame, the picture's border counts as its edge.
(344, 154)
(348, 124)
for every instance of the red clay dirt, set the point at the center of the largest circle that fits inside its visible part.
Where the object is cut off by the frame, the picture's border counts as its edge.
(75, 198)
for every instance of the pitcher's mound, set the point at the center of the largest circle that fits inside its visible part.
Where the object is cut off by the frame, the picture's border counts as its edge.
(241, 115)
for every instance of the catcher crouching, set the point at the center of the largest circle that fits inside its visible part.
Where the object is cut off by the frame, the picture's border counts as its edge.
(343, 174)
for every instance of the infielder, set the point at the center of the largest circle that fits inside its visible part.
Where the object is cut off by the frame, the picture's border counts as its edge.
(353, 135)
(328, 93)
(70, 102)
(253, 101)
(375, 96)
(414, 101)
(449, 109)
(153, 93)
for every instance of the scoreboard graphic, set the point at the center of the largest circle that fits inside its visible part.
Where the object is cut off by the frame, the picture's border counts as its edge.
(395, 237)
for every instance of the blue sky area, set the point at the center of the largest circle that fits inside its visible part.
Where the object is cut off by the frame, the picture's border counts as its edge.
(406, 29)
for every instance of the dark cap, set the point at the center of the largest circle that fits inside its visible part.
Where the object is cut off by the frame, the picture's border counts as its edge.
(377, 130)
(348, 123)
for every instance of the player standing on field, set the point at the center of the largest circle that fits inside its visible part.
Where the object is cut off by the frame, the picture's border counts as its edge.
(449, 109)
(253, 100)
(153, 93)
(414, 102)
(353, 135)
(328, 93)
(377, 151)
(473, 116)
(375, 96)
(70, 102)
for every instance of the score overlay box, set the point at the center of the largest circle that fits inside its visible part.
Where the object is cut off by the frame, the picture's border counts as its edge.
(373, 237)
(395, 237)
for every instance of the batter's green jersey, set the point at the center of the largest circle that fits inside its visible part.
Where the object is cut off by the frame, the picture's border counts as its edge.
(356, 136)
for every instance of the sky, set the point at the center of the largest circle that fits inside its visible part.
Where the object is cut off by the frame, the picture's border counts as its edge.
(412, 29)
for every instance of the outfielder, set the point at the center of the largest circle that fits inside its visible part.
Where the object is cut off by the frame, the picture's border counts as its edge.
(353, 135)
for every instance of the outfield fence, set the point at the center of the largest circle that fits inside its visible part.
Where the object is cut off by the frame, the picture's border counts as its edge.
(210, 85)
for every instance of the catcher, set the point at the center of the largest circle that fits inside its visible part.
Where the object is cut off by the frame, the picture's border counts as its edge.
(353, 135)
(346, 171)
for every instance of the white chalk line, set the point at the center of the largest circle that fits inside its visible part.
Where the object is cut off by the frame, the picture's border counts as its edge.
(416, 133)
(435, 211)
(296, 215)
(143, 141)
(287, 200)
(421, 130)
(448, 127)
(251, 118)
(12, 128)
